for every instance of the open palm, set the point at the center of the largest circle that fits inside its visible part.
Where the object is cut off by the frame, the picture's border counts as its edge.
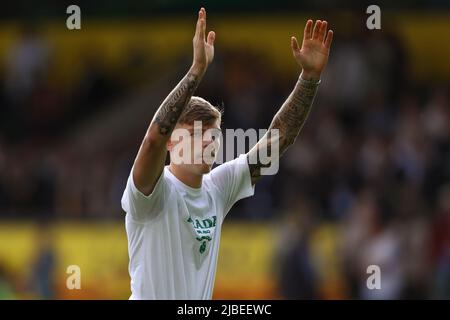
(203, 48)
(313, 55)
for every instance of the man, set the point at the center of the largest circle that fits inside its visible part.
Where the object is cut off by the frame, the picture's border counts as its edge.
(175, 212)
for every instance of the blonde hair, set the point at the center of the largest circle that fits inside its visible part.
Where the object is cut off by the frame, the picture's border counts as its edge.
(198, 109)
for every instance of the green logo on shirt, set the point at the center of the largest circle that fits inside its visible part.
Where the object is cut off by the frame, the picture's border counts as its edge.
(203, 227)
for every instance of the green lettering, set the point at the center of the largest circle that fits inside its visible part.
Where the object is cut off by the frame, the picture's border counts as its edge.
(208, 223)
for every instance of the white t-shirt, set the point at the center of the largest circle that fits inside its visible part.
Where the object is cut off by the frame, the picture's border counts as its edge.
(174, 233)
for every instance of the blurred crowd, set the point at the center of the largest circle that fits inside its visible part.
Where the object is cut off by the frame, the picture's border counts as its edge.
(41, 173)
(373, 159)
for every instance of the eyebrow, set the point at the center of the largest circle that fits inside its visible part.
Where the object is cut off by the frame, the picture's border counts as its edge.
(204, 129)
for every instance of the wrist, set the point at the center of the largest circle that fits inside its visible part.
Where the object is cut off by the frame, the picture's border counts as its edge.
(197, 69)
(310, 76)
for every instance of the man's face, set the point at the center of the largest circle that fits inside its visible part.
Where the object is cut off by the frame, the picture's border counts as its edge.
(194, 147)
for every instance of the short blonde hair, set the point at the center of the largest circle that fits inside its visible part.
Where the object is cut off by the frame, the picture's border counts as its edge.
(198, 109)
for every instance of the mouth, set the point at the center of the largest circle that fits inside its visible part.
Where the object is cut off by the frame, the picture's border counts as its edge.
(205, 157)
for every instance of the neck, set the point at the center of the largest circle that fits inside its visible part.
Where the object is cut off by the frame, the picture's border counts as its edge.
(188, 178)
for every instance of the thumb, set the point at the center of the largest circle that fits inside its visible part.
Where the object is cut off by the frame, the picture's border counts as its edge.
(211, 37)
(294, 44)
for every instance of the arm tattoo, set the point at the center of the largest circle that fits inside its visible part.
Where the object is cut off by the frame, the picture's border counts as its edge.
(289, 120)
(170, 110)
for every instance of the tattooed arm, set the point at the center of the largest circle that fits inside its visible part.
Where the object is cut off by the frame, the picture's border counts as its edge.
(152, 154)
(289, 120)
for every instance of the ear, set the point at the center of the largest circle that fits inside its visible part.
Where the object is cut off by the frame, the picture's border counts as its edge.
(169, 145)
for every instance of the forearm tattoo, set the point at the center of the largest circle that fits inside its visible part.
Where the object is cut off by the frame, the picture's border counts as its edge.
(170, 110)
(289, 120)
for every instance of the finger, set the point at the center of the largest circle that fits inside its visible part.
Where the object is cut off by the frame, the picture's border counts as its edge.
(323, 31)
(294, 44)
(202, 23)
(316, 29)
(307, 34)
(211, 37)
(198, 25)
(329, 39)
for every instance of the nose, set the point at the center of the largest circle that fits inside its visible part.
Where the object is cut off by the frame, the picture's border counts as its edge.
(207, 142)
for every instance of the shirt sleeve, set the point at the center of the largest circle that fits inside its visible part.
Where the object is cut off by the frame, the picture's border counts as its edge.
(233, 181)
(143, 208)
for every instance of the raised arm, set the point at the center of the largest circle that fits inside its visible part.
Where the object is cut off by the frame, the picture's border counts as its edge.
(152, 154)
(289, 120)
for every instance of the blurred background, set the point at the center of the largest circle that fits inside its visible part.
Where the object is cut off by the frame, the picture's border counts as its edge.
(367, 183)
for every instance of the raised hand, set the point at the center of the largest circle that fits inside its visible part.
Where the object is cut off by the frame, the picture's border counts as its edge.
(203, 48)
(313, 55)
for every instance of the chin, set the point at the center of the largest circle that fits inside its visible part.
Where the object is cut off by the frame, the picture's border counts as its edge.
(205, 168)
